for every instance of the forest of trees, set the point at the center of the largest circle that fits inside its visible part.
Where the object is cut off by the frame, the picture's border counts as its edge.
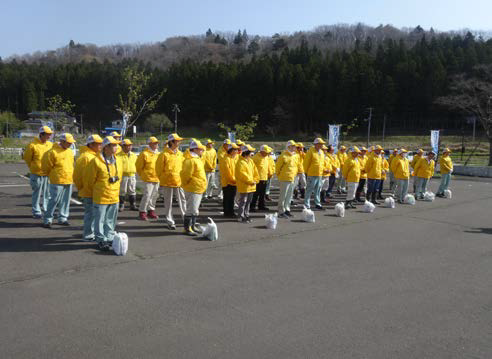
(293, 84)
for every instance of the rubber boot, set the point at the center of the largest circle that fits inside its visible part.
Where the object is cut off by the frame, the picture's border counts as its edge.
(347, 205)
(143, 216)
(188, 227)
(380, 195)
(133, 201)
(303, 191)
(196, 228)
(122, 204)
(373, 198)
(357, 197)
(322, 196)
(296, 193)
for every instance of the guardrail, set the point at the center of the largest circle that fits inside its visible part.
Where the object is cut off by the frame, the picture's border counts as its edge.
(11, 151)
(477, 171)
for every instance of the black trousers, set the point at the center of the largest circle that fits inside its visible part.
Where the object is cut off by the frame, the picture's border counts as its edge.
(259, 195)
(360, 187)
(381, 184)
(228, 193)
(331, 183)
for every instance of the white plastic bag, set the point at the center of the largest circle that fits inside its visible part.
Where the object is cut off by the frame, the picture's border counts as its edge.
(429, 196)
(120, 244)
(389, 202)
(409, 199)
(210, 231)
(369, 207)
(340, 210)
(308, 216)
(271, 220)
(448, 194)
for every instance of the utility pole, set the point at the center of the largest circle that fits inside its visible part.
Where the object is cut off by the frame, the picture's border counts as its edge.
(369, 126)
(176, 110)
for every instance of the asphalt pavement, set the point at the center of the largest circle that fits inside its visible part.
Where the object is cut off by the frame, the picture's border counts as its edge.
(409, 282)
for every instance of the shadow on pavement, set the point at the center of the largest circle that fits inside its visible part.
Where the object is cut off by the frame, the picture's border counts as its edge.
(30, 244)
(481, 230)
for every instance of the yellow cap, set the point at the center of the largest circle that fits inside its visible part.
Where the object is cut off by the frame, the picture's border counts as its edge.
(324, 147)
(240, 143)
(319, 140)
(300, 144)
(174, 137)
(343, 147)
(232, 145)
(110, 140)
(402, 150)
(127, 142)
(67, 137)
(209, 141)
(291, 143)
(94, 139)
(227, 141)
(354, 149)
(45, 129)
(265, 148)
(115, 134)
(378, 147)
(420, 150)
(446, 150)
(246, 147)
(152, 139)
(363, 149)
(196, 144)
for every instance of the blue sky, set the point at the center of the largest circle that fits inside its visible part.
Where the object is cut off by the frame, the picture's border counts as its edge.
(30, 25)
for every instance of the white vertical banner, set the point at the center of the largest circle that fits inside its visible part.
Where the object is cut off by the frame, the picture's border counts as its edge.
(124, 125)
(232, 136)
(435, 141)
(334, 136)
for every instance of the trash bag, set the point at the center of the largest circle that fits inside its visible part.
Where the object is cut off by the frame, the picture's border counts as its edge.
(308, 216)
(429, 196)
(369, 207)
(120, 244)
(209, 231)
(389, 202)
(409, 199)
(340, 210)
(271, 220)
(448, 194)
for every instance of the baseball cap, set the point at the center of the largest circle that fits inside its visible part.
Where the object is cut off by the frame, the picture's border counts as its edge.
(447, 150)
(45, 129)
(265, 148)
(115, 134)
(291, 143)
(209, 141)
(110, 140)
(354, 149)
(240, 143)
(152, 139)
(196, 144)
(232, 145)
(343, 147)
(127, 142)
(246, 147)
(94, 138)
(174, 137)
(227, 141)
(67, 137)
(300, 144)
(319, 140)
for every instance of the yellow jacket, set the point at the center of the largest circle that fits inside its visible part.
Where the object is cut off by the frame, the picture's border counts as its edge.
(391, 158)
(262, 165)
(34, 154)
(209, 158)
(314, 162)
(301, 155)
(400, 167)
(83, 149)
(335, 163)
(424, 168)
(342, 157)
(287, 166)
(80, 168)
(271, 167)
(385, 168)
(128, 161)
(446, 164)
(362, 164)
(415, 159)
(351, 170)
(58, 164)
(246, 175)
(193, 177)
(145, 165)
(227, 168)
(96, 180)
(373, 167)
(328, 166)
(168, 167)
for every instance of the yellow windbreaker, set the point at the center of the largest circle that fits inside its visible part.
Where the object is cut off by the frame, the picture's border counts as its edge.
(287, 166)
(301, 155)
(129, 161)
(446, 164)
(246, 175)
(145, 165)
(58, 164)
(327, 166)
(209, 158)
(33, 155)
(271, 167)
(168, 167)
(351, 169)
(415, 159)
(362, 164)
(342, 157)
(227, 168)
(400, 167)
(385, 168)
(262, 165)
(424, 168)
(373, 167)
(193, 177)
(80, 168)
(335, 163)
(314, 162)
(96, 180)
(83, 149)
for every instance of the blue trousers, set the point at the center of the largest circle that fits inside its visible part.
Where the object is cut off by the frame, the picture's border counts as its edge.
(402, 189)
(373, 185)
(60, 195)
(313, 186)
(88, 219)
(445, 179)
(105, 217)
(39, 185)
(420, 186)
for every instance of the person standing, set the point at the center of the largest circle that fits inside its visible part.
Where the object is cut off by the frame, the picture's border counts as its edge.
(93, 149)
(38, 178)
(335, 170)
(287, 169)
(325, 181)
(363, 175)
(210, 160)
(446, 165)
(351, 173)
(373, 169)
(194, 182)
(58, 164)
(383, 174)
(262, 164)
(128, 181)
(423, 171)
(342, 157)
(314, 167)
(300, 181)
(413, 163)
(391, 174)
(222, 152)
(271, 169)
(227, 168)
(246, 179)
(103, 177)
(145, 167)
(117, 136)
(400, 167)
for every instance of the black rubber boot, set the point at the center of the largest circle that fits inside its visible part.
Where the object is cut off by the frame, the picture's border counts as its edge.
(194, 226)
(347, 204)
(380, 195)
(296, 193)
(373, 198)
(303, 191)
(322, 196)
(122, 204)
(133, 201)
(188, 226)
(357, 197)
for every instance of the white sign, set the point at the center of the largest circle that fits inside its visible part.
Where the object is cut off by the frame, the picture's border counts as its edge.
(232, 136)
(435, 141)
(134, 130)
(334, 135)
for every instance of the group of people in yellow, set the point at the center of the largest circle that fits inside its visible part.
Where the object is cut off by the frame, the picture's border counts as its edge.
(105, 173)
